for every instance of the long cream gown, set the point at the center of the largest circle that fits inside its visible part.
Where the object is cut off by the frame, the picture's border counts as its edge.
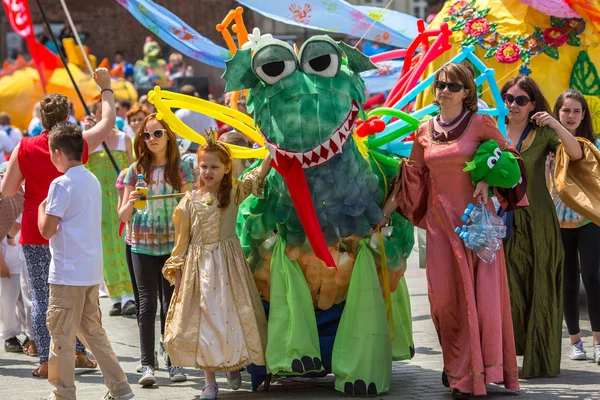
(216, 322)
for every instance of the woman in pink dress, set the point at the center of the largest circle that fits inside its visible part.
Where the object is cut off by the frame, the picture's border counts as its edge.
(470, 304)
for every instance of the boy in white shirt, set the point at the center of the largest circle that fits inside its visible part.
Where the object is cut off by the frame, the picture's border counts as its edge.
(71, 218)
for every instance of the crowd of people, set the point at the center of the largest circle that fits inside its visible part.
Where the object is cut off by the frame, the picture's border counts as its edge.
(87, 228)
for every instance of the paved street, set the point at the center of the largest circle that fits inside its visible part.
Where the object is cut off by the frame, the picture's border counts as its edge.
(415, 379)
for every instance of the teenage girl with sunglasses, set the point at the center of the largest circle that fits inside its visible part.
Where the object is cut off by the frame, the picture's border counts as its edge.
(152, 231)
(534, 252)
(580, 237)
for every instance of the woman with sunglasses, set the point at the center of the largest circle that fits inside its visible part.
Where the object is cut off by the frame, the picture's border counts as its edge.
(580, 237)
(534, 252)
(469, 299)
(152, 230)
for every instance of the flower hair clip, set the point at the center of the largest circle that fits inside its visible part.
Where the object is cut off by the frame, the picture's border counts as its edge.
(255, 38)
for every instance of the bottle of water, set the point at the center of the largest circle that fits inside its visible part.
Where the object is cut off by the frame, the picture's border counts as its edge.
(142, 188)
(482, 232)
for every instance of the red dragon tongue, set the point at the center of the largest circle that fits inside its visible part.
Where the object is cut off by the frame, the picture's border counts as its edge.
(293, 175)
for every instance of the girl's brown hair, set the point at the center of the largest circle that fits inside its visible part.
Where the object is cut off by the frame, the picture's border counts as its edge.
(585, 128)
(224, 194)
(458, 73)
(144, 162)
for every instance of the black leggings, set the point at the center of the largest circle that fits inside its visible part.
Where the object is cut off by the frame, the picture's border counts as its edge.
(582, 252)
(150, 286)
(136, 295)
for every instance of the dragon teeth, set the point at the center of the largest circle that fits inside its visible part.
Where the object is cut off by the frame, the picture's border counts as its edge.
(337, 139)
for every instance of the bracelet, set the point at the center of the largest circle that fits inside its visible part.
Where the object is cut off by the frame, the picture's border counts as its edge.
(109, 90)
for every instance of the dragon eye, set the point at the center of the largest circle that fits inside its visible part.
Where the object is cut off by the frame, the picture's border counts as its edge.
(498, 153)
(492, 161)
(325, 65)
(273, 72)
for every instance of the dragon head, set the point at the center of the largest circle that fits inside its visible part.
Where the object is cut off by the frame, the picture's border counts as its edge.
(306, 103)
(496, 167)
(151, 50)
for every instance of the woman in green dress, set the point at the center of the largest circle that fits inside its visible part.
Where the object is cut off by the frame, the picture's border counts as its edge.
(534, 252)
(116, 273)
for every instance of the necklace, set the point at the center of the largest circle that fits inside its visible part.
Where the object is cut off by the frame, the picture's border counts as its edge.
(445, 124)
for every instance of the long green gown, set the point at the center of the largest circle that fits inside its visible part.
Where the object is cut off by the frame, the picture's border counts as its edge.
(534, 258)
(116, 273)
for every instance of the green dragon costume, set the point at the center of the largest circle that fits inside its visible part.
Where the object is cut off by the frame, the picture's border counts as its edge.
(309, 240)
(151, 70)
(496, 167)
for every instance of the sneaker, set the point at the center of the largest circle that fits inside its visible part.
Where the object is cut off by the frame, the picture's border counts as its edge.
(140, 367)
(110, 396)
(115, 310)
(176, 374)
(147, 378)
(577, 352)
(128, 308)
(13, 345)
(597, 353)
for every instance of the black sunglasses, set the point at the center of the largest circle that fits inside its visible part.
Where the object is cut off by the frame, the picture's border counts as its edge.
(157, 134)
(453, 87)
(520, 100)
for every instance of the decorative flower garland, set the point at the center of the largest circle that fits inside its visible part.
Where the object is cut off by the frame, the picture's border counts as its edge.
(510, 49)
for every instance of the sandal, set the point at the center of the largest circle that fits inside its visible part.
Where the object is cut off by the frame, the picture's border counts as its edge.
(41, 371)
(209, 396)
(31, 349)
(235, 383)
(83, 361)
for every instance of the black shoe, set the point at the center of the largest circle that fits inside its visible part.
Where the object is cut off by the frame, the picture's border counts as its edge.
(13, 345)
(457, 394)
(115, 310)
(445, 379)
(128, 308)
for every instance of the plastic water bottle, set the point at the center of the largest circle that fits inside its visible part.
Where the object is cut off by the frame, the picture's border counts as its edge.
(482, 232)
(142, 188)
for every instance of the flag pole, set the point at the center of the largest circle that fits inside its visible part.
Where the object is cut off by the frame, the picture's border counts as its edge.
(66, 64)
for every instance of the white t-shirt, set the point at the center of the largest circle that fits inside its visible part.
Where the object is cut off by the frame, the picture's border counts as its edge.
(13, 255)
(128, 131)
(6, 145)
(76, 198)
(198, 122)
(13, 133)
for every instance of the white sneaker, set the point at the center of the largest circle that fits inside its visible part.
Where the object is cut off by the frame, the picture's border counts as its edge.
(110, 396)
(577, 352)
(140, 367)
(597, 353)
(147, 378)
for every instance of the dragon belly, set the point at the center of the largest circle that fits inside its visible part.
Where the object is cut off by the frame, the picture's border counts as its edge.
(347, 195)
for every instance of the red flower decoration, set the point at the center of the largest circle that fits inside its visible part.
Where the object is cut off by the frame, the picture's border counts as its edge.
(508, 53)
(456, 6)
(555, 36)
(477, 27)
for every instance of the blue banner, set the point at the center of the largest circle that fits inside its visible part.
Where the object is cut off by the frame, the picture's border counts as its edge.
(403, 23)
(176, 33)
(384, 78)
(334, 16)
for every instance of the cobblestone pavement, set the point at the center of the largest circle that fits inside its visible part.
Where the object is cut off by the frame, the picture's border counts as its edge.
(418, 378)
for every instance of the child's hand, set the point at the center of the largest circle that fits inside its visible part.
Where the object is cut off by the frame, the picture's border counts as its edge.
(177, 281)
(134, 196)
(11, 241)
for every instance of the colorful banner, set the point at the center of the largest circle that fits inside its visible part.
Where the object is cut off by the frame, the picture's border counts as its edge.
(403, 23)
(331, 16)
(19, 16)
(176, 33)
(384, 78)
